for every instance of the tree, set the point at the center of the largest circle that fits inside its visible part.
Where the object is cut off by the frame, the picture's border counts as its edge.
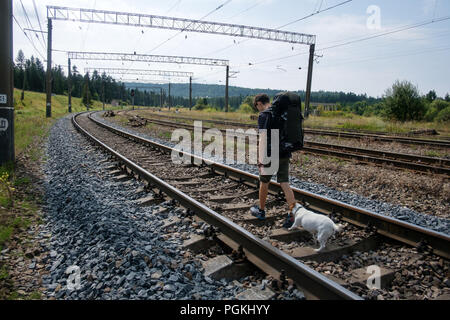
(403, 102)
(21, 78)
(447, 97)
(431, 96)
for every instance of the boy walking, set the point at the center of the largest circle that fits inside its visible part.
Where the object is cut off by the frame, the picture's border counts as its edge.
(263, 105)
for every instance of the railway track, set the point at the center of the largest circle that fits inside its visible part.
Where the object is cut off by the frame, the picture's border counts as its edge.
(221, 196)
(405, 161)
(325, 132)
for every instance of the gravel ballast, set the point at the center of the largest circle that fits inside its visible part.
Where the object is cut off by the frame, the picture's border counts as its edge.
(120, 248)
(398, 212)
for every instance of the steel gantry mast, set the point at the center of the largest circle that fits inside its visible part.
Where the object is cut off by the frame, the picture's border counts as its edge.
(189, 25)
(104, 56)
(171, 23)
(141, 72)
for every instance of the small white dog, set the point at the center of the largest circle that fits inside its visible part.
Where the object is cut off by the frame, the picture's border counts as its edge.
(315, 223)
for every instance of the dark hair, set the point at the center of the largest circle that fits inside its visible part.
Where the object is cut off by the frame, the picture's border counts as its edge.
(262, 97)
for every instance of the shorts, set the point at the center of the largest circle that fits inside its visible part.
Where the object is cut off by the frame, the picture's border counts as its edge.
(282, 174)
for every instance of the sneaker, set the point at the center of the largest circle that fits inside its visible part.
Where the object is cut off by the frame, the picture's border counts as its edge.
(258, 213)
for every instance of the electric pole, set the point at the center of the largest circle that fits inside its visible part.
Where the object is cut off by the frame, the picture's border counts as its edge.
(226, 88)
(49, 70)
(103, 94)
(309, 80)
(170, 101)
(69, 89)
(190, 93)
(6, 84)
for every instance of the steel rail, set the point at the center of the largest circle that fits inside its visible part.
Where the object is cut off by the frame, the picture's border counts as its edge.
(434, 143)
(404, 232)
(419, 163)
(341, 134)
(313, 283)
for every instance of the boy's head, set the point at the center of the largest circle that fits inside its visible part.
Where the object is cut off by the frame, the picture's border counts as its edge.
(260, 102)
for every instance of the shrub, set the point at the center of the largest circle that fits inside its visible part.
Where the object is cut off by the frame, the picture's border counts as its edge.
(245, 108)
(403, 102)
(444, 115)
(431, 113)
(440, 104)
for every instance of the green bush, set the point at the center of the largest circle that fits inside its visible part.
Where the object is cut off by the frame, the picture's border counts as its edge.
(434, 108)
(440, 104)
(403, 102)
(245, 108)
(444, 115)
(431, 114)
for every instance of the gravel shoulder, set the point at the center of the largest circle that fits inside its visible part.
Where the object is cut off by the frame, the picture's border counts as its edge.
(118, 249)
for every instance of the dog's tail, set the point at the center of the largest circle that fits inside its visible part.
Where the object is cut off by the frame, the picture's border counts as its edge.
(338, 227)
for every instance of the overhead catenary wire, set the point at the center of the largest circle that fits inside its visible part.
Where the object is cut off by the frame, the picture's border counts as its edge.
(87, 30)
(161, 44)
(30, 25)
(283, 26)
(404, 28)
(391, 56)
(39, 21)
(26, 35)
(207, 15)
(174, 6)
(246, 10)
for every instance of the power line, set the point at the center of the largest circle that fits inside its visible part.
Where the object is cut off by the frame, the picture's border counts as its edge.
(435, 7)
(387, 33)
(315, 13)
(30, 25)
(161, 44)
(39, 21)
(87, 30)
(438, 49)
(174, 6)
(404, 28)
(32, 43)
(283, 26)
(208, 14)
(247, 9)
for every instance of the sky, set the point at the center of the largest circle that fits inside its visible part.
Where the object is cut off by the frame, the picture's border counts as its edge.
(344, 61)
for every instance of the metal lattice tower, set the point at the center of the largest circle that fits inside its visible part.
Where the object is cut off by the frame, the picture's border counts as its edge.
(189, 25)
(153, 21)
(76, 55)
(140, 72)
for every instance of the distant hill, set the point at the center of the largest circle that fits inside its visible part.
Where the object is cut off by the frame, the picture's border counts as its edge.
(205, 90)
(218, 91)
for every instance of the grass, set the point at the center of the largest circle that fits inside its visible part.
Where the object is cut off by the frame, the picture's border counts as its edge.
(434, 154)
(30, 121)
(375, 124)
